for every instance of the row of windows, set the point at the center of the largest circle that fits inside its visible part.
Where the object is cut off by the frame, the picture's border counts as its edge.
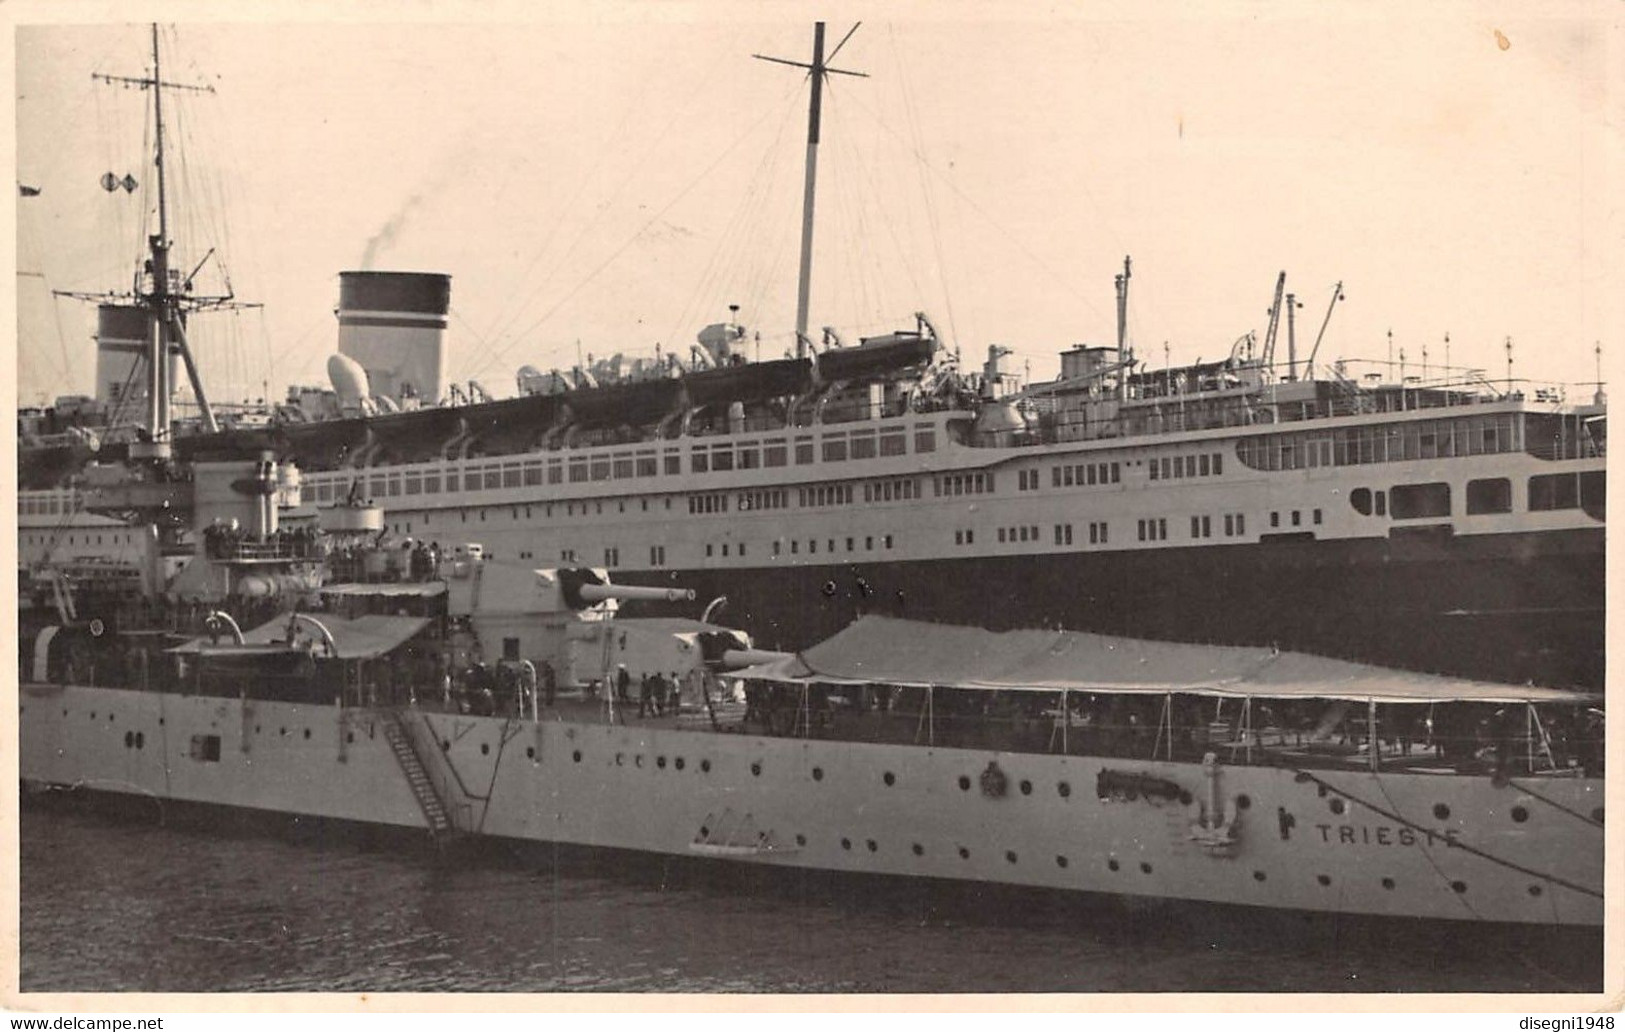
(771, 498)
(1547, 492)
(1177, 467)
(707, 504)
(1086, 474)
(1395, 442)
(838, 446)
(870, 542)
(902, 489)
(1013, 534)
(825, 494)
(963, 484)
(1296, 517)
(1153, 529)
(119, 538)
(49, 504)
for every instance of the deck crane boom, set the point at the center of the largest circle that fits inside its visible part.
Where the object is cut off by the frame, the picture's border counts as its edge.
(1337, 295)
(1275, 321)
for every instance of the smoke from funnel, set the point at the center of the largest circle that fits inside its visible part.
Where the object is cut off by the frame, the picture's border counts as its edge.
(386, 236)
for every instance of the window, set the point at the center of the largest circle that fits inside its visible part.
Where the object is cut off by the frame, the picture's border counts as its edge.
(1382, 503)
(647, 464)
(863, 444)
(835, 448)
(1275, 519)
(621, 466)
(722, 458)
(1152, 464)
(804, 451)
(925, 439)
(775, 453)
(893, 442)
(1115, 471)
(1202, 465)
(749, 457)
(205, 748)
(1360, 498)
(672, 460)
(1552, 491)
(699, 461)
(1420, 501)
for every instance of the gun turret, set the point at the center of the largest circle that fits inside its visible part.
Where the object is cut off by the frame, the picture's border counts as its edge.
(582, 587)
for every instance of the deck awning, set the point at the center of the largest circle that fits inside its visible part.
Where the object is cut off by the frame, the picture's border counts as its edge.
(886, 650)
(365, 637)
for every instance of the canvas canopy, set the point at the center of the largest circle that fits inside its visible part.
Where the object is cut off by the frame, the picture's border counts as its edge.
(365, 637)
(886, 650)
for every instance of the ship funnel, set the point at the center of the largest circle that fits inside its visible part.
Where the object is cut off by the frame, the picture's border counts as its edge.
(393, 324)
(123, 336)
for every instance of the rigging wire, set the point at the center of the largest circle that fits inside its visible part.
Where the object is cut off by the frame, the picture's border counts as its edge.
(601, 266)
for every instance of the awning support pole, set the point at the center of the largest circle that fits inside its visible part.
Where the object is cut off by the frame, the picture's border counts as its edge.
(1066, 720)
(1371, 735)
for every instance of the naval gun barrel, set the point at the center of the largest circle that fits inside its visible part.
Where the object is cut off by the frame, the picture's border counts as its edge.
(630, 593)
(738, 659)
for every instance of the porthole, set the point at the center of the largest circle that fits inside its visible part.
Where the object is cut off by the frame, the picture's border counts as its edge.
(1520, 814)
(256, 729)
(1185, 797)
(445, 746)
(140, 739)
(1060, 861)
(530, 752)
(1026, 787)
(1258, 876)
(1244, 801)
(620, 759)
(1441, 812)
(919, 850)
(349, 736)
(92, 714)
(705, 830)
(846, 843)
(1324, 879)
(1010, 856)
(756, 770)
(129, 739)
(1388, 883)
(1113, 865)
(160, 720)
(873, 845)
(1596, 815)
(660, 761)
(1336, 805)
(282, 732)
(890, 779)
(705, 766)
(576, 756)
(307, 734)
(964, 784)
(637, 761)
(678, 763)
(1535, 890)
(1459, 886)
(818, 773)
(485, 748)
(1145, 868)
(1064, 788)
(801, 840)
(964, 854)
(110, 718)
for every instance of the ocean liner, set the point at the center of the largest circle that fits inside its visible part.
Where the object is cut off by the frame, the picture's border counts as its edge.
(1450, 523)
(402, 613)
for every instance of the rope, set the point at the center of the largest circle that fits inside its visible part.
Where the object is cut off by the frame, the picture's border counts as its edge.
(1475, 851)
(1554, 804)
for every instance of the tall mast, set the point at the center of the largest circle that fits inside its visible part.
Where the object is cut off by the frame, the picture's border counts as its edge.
(818, 69)
(164, 307)
(809, 189)
(158, 385)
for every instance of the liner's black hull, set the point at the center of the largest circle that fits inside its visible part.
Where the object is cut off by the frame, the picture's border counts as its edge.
(1504, 607)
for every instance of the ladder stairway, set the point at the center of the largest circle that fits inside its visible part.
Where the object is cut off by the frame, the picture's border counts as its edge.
(417, 776)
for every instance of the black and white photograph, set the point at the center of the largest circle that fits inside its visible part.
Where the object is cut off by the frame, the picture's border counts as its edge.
(712, 500)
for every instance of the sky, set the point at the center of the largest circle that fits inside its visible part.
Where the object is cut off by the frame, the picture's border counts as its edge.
(611, 179)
